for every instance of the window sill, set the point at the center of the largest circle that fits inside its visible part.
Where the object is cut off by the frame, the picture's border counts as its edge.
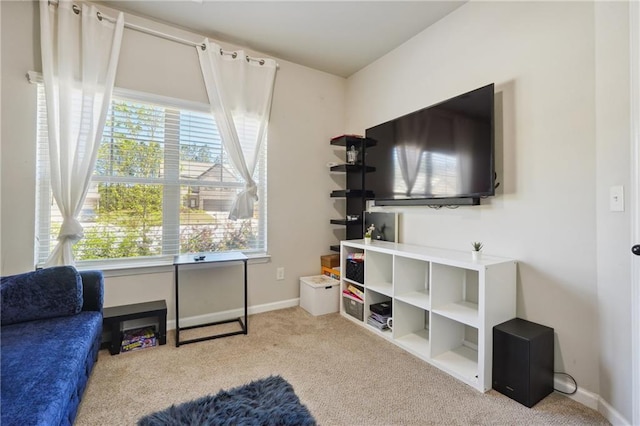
(155, 266)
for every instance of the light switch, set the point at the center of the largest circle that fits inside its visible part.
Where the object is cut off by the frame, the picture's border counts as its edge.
(616, 198)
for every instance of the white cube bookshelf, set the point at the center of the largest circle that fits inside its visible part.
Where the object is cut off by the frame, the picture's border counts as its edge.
(445, 304)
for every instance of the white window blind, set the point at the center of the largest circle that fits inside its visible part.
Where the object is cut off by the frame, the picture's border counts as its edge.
(162, 186)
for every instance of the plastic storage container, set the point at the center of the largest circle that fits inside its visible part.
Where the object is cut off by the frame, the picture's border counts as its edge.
(319, 294)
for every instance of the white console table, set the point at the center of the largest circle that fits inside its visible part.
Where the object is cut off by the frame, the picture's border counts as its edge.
(444, 304)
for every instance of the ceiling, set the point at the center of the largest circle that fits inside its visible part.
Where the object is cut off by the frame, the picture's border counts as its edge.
(339, 37)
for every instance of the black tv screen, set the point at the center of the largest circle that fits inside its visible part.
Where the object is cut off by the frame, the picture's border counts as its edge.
(445, 151)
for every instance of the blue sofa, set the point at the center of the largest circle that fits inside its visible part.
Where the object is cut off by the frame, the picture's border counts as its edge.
(50, 336)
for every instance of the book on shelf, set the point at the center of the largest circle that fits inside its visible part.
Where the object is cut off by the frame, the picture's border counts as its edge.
(352, 296)
(353, 289)
(380, 318)
(358, 257)
(377, 324)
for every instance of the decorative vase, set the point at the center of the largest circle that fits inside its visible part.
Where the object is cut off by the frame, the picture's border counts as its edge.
(475, 255)
(352, 155)
(367, 240)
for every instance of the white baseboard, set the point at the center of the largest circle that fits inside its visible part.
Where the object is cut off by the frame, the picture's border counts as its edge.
(232, 313)
(591, 400)
(582, 396)
(611, 413)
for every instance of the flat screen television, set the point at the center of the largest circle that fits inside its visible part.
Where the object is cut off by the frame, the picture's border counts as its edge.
(442, 154)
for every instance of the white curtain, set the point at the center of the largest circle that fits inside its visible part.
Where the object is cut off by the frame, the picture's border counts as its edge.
(79, 60)
(409, 159)
(240, 91)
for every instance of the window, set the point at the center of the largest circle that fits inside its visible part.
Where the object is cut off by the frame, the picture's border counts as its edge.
(162, 185)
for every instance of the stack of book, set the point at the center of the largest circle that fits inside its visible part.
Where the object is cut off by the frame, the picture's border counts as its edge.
(380, 312)
(378, 321)
(353, 292)
(357, 257)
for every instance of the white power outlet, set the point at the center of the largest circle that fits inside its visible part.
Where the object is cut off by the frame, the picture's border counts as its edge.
(280, 273)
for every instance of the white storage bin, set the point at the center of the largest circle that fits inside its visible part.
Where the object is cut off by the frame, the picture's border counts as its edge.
(319, 294)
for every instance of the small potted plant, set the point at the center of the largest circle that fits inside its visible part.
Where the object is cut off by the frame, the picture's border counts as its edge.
(477, 247)
(368, 232)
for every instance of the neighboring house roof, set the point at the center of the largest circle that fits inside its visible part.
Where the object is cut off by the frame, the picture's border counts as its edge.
(217, 172)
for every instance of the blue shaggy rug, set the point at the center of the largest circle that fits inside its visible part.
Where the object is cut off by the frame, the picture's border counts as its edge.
(269, 401)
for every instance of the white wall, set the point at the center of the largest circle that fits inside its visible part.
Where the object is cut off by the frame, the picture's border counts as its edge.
(541, 57)
(613, 150)
(308, 109)
(17, 171)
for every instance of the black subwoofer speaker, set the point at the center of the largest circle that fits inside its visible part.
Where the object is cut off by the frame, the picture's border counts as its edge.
(523, 360)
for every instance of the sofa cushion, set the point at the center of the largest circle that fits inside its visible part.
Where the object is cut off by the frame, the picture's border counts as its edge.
(41, 294)
(45, 366)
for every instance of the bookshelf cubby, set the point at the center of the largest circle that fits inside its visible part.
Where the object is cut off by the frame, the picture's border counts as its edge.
(445, 304)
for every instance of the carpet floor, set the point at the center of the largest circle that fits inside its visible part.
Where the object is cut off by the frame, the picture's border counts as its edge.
(344, 374)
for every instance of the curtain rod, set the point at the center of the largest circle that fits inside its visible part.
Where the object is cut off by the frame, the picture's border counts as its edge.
(160, 34)
(138, 28)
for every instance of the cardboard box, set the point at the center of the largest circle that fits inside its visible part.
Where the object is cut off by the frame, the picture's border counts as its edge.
(330, 260)
(319, 294)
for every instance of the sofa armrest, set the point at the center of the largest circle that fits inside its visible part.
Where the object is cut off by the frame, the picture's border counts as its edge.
(93, 290)
(41, 294)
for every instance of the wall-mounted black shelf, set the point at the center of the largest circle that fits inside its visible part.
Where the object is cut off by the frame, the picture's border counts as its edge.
(350, 168)
(351, 193)
(355, 192)
(357, 141)
(346, 222)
